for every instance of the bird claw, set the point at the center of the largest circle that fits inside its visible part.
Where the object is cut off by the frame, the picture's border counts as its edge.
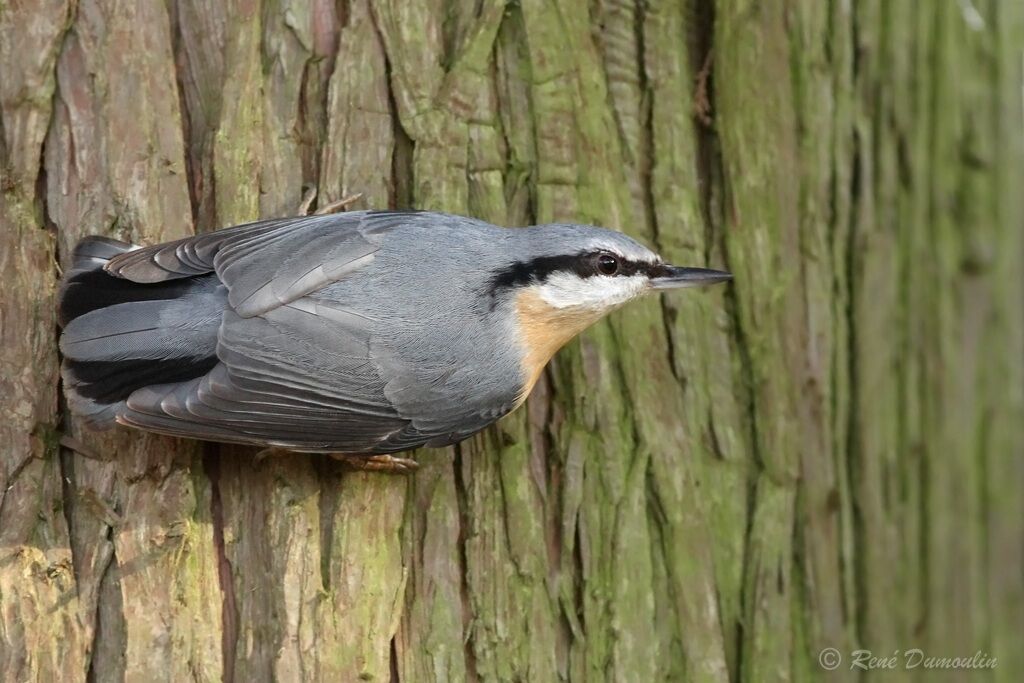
(333, 207)
(377, 463)
(271, 452)
(71, 443)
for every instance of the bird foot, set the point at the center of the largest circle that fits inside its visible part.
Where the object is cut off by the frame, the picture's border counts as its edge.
(71, 443)
(333, 207)
(377, 463)
(271, 452)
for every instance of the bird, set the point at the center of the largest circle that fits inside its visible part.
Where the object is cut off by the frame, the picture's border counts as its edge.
(365, 333)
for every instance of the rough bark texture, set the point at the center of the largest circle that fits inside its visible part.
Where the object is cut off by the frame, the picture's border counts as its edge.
(712, 486)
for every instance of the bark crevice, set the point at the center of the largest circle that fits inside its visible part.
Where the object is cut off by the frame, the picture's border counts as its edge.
(225, 575)
(461, 495)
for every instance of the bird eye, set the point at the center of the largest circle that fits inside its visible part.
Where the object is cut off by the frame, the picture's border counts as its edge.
(607, 264)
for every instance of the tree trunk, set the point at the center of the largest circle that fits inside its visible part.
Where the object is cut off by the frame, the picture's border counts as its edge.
(714, 485)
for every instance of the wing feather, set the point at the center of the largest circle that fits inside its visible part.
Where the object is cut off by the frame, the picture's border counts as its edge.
(265, 264)
(295, 370)
(262, 391)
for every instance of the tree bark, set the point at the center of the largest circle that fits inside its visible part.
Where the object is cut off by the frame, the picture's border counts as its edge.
(714, 485)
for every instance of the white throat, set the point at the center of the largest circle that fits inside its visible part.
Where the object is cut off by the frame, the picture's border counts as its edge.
(597, 293)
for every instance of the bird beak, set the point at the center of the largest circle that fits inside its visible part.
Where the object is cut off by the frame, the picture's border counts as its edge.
(674, 277)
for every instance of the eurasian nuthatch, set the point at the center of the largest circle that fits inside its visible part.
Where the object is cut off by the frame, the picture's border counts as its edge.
(361, 333)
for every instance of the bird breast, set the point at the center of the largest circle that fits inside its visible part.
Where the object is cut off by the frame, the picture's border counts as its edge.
(543, 330)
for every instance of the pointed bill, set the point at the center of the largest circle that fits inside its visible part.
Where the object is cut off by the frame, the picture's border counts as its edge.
(674, 277)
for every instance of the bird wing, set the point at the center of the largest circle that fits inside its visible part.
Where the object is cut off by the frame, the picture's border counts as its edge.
(278, 384)
(293, 370)
(264, 264)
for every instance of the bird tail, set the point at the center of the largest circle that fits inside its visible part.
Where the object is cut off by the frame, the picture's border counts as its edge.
(119, 336)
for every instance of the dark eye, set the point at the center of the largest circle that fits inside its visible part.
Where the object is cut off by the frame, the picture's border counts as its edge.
(607, 264)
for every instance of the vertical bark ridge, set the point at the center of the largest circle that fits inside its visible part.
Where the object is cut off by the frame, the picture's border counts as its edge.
(38, 583)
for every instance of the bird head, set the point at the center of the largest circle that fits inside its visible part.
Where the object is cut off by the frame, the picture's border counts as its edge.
(573, 276)
(587, 271)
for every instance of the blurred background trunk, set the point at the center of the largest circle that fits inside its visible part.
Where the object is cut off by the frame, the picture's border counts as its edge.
(710, 486)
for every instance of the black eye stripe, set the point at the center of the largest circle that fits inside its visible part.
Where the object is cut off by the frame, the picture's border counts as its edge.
(584, 265)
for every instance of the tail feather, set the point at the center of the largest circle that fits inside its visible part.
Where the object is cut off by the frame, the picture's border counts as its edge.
(87, 287)
(120, 336)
